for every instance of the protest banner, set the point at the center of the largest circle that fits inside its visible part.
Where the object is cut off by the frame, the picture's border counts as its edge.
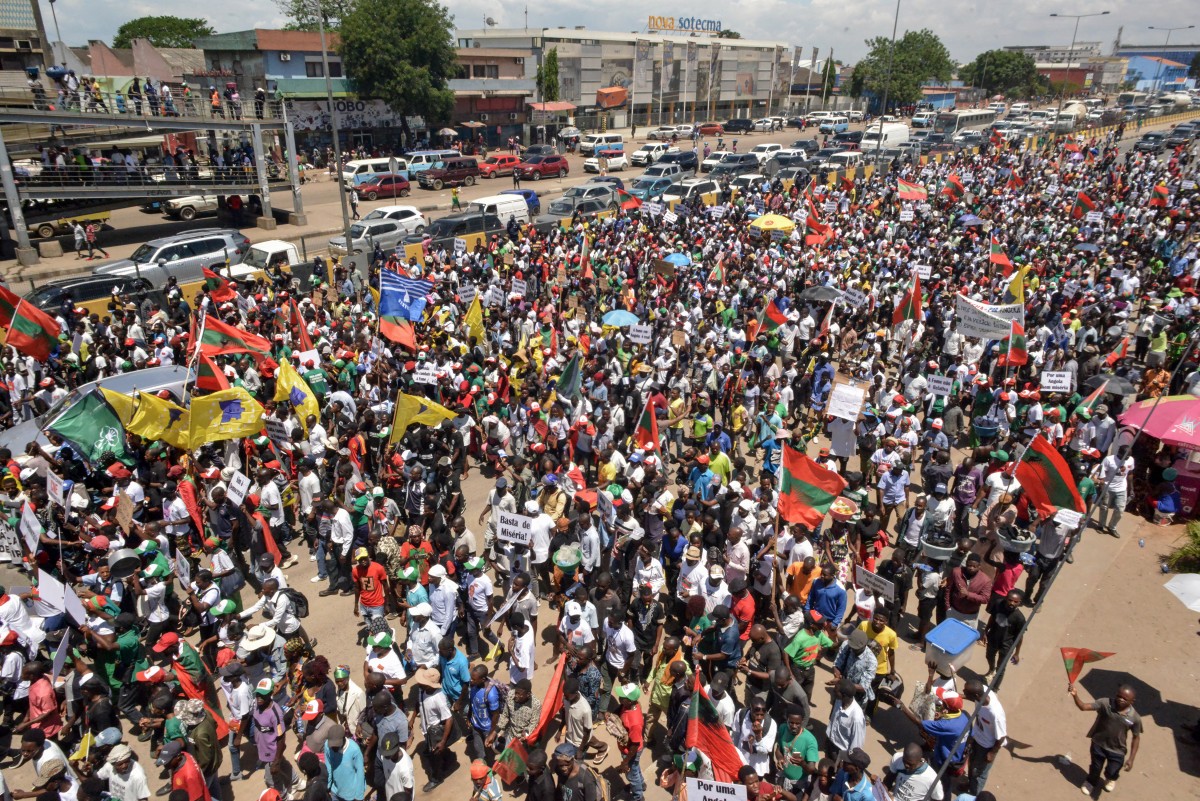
(517, 529)
(239, 485)
(845, 401)
(640, 334)
(876, 584)
(1056, 381)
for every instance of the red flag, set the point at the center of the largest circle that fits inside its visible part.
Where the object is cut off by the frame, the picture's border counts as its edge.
(302, 337)
(910, 304)
(28, 329)
(646, 432)
(1046, 478)
(825, 322)
(806, 490)
(399, 331)
(1075, 658)
(1016, 350)
(707, 734)
(196, 693)
(911, 191)
(217, 286)
(953, 187)
(999, 256)
(1082, 205)
(1159, 197)
(187, 493)
(1120, 353)
(209, 376)
(551, 702)
(1015, 182)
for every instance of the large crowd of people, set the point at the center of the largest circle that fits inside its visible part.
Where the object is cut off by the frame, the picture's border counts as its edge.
(645, 463)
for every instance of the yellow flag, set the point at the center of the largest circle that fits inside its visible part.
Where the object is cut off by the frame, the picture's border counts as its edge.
(1016, 287)
(474, 320)
(228, 414)
(291, 387)
(123, 405)
(156, 418)
(412, 409)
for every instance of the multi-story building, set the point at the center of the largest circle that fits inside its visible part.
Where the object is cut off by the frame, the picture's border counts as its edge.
(1058, 54)
(491, 92)
(1157, 74)
(23, 42)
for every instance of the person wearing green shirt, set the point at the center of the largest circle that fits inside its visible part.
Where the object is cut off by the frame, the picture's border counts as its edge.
(702, 423)
(805, 650)
(187, 656)
(316, 379)
(796, 750)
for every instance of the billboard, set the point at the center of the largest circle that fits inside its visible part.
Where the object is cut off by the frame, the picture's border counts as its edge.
(643, 68)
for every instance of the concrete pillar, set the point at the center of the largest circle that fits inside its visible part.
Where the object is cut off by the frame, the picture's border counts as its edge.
(26, 254)
(260, 167)
(297, 217)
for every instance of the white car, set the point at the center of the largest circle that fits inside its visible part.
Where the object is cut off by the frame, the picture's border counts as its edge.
(764, 151)
(855, 116)
(748, 182)
(410, 218)
(649, 153)
(663, 133)
(617, 160)
(685, 131)
(765, 124)
(714, 158)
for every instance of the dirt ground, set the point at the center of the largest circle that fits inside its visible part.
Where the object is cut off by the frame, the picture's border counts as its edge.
(1110, 599)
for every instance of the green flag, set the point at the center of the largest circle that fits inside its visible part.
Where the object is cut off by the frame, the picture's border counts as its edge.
(94, 428)
(570, 382)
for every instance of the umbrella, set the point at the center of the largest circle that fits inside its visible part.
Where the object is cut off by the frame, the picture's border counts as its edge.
(1117, 385)
(970, 220)
(773, 222)
(1175, 421)
(619, 318)
(567, 133)
(821, 294)
(1087, 246)
(447, 132)
(1186, 587)
(679, 259)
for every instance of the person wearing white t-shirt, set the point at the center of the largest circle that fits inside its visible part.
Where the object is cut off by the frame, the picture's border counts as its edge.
(1113, 474)
(910, 776)
(619, 647)
(989, 732)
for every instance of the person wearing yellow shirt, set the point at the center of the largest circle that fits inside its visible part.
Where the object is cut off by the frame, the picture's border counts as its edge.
(719, 463)
(739, 418)
(878, 630)
(677, 412)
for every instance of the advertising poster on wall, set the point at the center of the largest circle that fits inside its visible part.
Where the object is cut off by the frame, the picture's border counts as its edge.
(643, 67)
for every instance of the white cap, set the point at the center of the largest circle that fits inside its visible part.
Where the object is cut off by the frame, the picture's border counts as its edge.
(437, 571)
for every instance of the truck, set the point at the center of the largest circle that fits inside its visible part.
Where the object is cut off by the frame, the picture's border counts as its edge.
(1071, 117)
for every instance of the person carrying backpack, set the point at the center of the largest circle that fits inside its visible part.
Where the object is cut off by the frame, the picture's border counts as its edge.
(483, 699)
(282, 611)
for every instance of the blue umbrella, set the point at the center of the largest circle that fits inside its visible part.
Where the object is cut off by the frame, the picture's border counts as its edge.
(679, 259)
(619, 318)
(1087, 246)
(969, 220)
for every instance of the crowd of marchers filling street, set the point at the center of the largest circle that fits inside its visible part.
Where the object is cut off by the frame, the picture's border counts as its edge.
(588, 514)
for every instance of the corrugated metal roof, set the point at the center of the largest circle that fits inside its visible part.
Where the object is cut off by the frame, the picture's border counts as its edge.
(295, 41)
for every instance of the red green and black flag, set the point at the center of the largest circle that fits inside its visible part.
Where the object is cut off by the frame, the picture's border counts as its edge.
(1046, 478)
(806, 489)
(512, 763)
(911, 191)
(773, 316)
(29, 329)
(1015, 182)
(645, 435)
(998, 255)
(1016, 349)
(217, 286)
(1091, 401)
(209, 375)
(707, 734)
(817, 232)
(1158, 197)
(717, 274)
(297, 319)
(219, 337)
(954, 188)
(910, 304)
(1075, 658)
(1120, 353)
(1083, 204)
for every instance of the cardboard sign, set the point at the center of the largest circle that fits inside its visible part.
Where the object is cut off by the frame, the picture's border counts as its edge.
(924, 271)
(1069, 517)
(517, 529)
(876, 584)
(1094, 217)
(640, 334)
(940, 385)
(704, 790)
(54, 488)
(679, 339)
(1056, 381)
(664, 267)
(276, 430)
(460, 245)
(518, 287)
(986, 320)
(467, 293)
(124, 512)
(425, 374)
(653, 209)
(854, 298)
(845, 401)
(670, 218)
(239, 485)
(717, 212)
(906, 215)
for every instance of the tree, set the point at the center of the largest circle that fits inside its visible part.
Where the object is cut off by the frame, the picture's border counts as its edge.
(856, 84)
(401, 52)
(1194, 69)
(162, 31)
(547, 77)
(302, 14)
(728, 33)
(920, 57)
(1000, 72)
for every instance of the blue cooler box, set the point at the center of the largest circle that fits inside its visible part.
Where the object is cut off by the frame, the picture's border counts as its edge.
(949, 644)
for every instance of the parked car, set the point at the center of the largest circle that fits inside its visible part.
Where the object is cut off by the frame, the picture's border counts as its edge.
(182, 255)
(609, 180)
(409, 217)
(1152, 142)
(91, 292)
(799, 176)
(603, 191)
(764, 151)
(764, 124)
(711, 129)
(444, 230)
(384, 185)
(855, 115)
(538, 167)
(732, 169)
(649, 153)
(712, 160)
(661, 170)
(807, 145)
(663, 133)
(688, 160)
(692, 188)
(685, 131)
(531, 199)
(539, 150)
(193, 206)
(615, 160)
(650, 188)
(851, 140)
(366, 234)
(496, 166)
(1180, 136)
(739, 126)
(452, 172)
(564, 208)
(748, 182)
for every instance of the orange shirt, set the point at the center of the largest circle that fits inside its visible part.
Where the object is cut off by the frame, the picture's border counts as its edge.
(799, 582)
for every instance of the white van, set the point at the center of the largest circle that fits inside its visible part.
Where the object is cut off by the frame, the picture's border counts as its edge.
(423, 160)
(891, 135)
(358, 172)
(604, 141)
(924, 119)
(845, 160)
(503, 206)
(834, 125)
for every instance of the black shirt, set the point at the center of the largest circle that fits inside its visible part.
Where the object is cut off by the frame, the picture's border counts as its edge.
(1004, 627)
(644, 619)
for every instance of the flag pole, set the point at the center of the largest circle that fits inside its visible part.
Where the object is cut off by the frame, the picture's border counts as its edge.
(195, 357)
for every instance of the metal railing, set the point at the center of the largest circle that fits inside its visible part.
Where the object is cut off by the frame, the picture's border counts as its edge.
(195, 106)
(148, 175)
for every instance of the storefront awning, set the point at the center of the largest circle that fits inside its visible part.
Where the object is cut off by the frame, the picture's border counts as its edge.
(473, 124)
(553, 105)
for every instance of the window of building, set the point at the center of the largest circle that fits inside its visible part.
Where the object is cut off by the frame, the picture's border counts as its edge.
(315, 69)
(487, 70)
(462, 72)
(335, 69)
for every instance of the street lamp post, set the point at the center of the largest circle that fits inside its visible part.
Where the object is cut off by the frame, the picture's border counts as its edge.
(1158, 69)
(335, 123)
(887, 83)
(1071, 54)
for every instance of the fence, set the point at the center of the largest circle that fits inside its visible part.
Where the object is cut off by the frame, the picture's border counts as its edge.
(190, 106)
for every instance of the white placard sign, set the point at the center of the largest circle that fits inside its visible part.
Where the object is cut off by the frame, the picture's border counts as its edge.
(670, 218)
(54, 488)
(640, 334)
(31, 527)
(183, 569)
(704, 790)
(425, 374)
(467, 293)
(460, 245)
(924, 271)
(854, 298)
(876, 584)
(984, 320)
(517, 529)
(60, 659)
(1094, 217)
(276, 430)
(1052, 189)
(1056, 381)
(1068, 517)
(10, 542)
(239, 485)
(306, 356)
(940, 385)
(1187, 183)
(845, 402)
(830, 206)
(653, 209)
(717, 212)
(518, 287)
(906, 215)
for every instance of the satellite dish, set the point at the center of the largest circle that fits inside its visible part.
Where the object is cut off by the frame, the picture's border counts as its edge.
(489, 22)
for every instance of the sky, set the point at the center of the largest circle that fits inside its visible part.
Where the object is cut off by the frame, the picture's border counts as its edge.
(966, 28)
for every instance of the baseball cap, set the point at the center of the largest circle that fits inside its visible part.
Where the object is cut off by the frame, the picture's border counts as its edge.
(168, 640)
(361, 553)
(313, 709)
(437, 571)
(169, 751)
(264, 687)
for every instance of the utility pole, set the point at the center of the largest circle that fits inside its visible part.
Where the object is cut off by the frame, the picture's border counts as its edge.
(336, 123)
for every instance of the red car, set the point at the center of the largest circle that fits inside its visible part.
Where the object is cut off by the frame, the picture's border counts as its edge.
(538, 167)
(385, 184)
(495, 166)
(711, 129)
